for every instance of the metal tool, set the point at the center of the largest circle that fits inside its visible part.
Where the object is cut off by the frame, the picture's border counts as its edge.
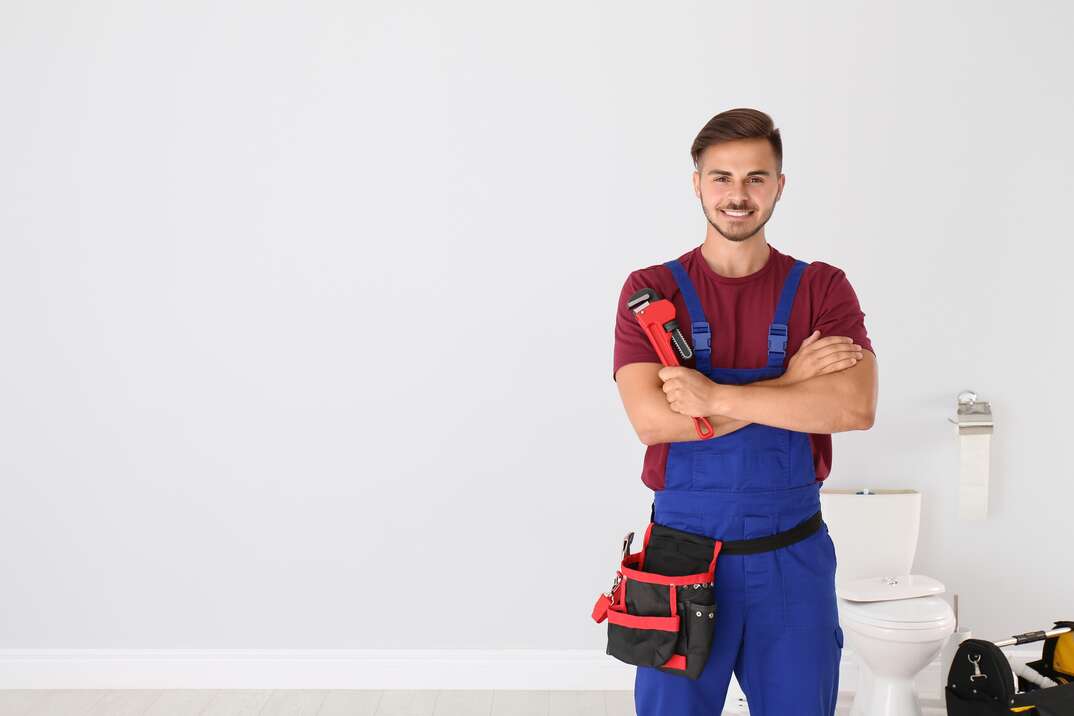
(1031, 636)
(656, 315)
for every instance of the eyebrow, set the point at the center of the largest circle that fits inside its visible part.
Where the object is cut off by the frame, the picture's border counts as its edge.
(727, 173)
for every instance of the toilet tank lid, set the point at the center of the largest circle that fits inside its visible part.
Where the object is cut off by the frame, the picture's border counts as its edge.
(880, 589)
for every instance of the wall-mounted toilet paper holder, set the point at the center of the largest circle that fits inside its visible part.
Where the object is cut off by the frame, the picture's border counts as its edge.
(974, 421)
(974, 417)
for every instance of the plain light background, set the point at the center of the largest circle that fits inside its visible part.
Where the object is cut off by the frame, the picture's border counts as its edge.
(307, 308)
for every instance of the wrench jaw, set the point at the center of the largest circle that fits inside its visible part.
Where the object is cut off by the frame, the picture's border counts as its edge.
(679, 342)
(646, 297)
(640, 300)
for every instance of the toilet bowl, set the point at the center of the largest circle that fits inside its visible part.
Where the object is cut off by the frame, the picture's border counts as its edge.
(893, 640)
(895, 625)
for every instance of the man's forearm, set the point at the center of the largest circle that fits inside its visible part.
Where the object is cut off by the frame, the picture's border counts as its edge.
(821, 404)
(676, 427)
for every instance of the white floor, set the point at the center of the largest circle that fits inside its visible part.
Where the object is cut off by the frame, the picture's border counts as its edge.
(27, 702)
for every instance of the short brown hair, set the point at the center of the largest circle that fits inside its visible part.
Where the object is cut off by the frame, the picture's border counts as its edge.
(740, 123)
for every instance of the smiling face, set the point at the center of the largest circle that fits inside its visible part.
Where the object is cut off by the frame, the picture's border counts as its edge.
(738, 184)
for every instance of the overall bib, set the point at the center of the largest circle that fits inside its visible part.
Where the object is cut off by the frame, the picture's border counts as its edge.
(777, 624)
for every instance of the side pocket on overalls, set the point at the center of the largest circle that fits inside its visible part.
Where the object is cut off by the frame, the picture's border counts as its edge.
(831, 547)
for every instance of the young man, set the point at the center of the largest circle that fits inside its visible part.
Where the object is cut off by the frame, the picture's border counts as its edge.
(744, 307)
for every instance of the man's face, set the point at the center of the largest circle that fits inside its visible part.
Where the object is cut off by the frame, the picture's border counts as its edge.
(739, 177)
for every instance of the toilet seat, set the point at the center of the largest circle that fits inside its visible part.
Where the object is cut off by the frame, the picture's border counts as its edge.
(928, 612)
(875, 589)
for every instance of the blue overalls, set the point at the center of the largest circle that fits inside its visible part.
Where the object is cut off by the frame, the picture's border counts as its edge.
(777, 623)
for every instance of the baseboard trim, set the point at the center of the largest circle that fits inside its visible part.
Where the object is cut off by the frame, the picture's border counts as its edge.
(578, 669)
(581, 669)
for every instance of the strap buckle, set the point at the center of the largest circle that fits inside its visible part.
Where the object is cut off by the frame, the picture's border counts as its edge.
(777, 338)
(702, 335)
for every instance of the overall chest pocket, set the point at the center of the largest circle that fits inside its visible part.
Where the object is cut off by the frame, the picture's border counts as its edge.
(755, 457)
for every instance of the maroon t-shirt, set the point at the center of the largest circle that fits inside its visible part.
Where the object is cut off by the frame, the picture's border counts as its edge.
(739, 311)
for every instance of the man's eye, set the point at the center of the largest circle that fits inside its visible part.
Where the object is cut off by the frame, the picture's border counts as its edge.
(758, 179)
(720, 178)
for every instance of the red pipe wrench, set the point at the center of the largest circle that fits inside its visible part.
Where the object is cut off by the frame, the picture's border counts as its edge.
(657, 318)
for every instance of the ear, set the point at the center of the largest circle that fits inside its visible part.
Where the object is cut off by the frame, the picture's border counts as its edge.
(782, 181)
(696, 181)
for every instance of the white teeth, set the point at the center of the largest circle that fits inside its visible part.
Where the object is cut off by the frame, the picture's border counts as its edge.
(735, 213)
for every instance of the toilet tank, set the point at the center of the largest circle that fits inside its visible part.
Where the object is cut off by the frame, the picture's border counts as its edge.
(875, 534)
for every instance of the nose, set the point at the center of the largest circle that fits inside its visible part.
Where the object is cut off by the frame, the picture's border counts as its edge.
(737, 197)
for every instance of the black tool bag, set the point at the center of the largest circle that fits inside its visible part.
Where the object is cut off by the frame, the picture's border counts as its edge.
(661, 610)
(981, 683)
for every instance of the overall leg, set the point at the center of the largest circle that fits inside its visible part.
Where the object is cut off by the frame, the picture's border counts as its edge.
(792, 645)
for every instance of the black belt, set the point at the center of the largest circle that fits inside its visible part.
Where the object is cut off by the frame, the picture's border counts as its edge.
(764, 544)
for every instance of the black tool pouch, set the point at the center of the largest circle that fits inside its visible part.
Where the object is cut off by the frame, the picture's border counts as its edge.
(661, 609)
(981, 682)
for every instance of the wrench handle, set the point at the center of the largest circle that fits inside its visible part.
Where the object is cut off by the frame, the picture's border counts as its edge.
(703, 428)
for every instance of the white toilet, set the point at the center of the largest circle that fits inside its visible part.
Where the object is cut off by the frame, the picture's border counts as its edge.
(892, 620)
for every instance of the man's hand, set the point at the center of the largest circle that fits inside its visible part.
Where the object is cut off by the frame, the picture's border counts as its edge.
(820, 356)
(688, 391)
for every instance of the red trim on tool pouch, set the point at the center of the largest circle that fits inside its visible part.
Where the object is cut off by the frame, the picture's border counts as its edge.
(639, 622)
(677, 661)
(652, 578)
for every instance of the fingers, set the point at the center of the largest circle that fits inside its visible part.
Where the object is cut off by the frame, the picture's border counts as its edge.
(831, 341)
(839, 362)
(838, 366)
(670, 371)
(835, 349)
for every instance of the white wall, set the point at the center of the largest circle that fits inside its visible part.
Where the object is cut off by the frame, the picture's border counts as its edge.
(308, 308)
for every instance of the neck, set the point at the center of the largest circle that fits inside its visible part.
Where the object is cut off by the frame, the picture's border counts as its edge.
(734, 259)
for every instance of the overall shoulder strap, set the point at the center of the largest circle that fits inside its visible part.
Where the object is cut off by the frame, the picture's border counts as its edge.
(777, 332)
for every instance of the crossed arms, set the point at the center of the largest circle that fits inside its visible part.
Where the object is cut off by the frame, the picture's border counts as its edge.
(827, 403)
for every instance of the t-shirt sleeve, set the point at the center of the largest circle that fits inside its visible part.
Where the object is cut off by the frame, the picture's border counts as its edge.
(631, 343)
(840, 314)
